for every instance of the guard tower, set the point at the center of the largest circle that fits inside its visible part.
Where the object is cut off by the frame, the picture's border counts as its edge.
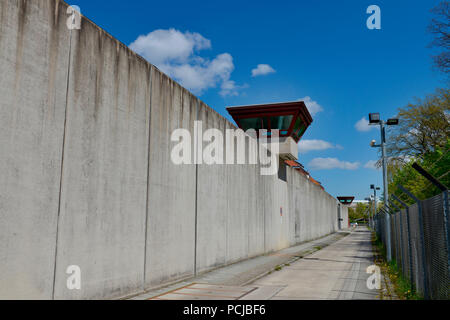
(290, 118)
(346, 200)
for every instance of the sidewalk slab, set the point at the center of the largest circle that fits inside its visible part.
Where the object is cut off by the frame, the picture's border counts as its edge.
(262, 293)
(205, 292)
(335, 272)
(247, 271)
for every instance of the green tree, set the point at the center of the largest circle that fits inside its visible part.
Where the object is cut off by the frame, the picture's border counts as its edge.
(360, 212)
(422, 136)
(437, 163)
(423, 127)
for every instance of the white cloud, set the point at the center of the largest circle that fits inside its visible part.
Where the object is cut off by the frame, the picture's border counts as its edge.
(200, 76)
(262, 69)
(332, 163)
(313, 106)
(230, 88)
(305, 146)
(363, 125)
(371, 164)
(175, 53)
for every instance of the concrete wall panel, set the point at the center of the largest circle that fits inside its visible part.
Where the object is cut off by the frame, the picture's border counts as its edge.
(104, 183)
(274, 192)
(212, 204)
(256, 216)
(171, 203)
(34, 58)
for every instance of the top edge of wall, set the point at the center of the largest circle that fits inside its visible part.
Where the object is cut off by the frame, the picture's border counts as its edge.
(146, 62)
(309, 181)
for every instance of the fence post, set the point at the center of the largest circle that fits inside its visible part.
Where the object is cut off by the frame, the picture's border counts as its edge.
(393, 238)
(386, 210)
(411, 276)
(422, 237)
(401, 232)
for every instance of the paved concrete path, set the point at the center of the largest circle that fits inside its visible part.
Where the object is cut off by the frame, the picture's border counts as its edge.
(333, 267)
(335, 272)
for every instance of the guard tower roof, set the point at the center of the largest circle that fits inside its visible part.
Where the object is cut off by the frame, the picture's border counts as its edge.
(290, 118)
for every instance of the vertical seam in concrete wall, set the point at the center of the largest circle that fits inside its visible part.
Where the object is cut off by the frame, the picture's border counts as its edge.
(195, 232)
(264, 210)
(196, 193)
(251, 252)
(227, 253)
(248, 228)
(148, 178)
(62, 164)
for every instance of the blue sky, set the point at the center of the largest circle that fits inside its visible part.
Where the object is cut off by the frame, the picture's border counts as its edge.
(318, 49)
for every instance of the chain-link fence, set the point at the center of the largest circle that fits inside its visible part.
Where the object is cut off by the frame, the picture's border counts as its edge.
(420, 244)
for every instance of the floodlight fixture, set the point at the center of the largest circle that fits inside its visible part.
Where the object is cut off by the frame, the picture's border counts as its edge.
(374, 118)
(392, 122)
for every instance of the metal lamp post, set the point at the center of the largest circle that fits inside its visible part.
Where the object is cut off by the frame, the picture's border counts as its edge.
(374, 119)
(372, 186)
(369, 201)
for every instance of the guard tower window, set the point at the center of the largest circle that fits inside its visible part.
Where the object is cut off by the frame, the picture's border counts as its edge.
(253, 123)
(281, 122)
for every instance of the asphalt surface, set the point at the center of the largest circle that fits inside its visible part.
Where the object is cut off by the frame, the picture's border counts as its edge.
(336, 272)
(333, 267)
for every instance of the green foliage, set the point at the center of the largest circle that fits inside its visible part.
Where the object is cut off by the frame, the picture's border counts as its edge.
(437, 163)
(360, 212)
(402, 285)
(423, 126)
(423, 136)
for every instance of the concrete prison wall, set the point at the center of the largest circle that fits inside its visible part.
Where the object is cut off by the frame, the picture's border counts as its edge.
(86, 177)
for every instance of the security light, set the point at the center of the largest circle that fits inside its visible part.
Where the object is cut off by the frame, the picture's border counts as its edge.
(392, 122)
(372, 143)
(374, 118)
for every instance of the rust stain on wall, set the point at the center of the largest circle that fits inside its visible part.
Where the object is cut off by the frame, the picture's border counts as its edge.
(131, 94)
(98, 74)
(3, 15)
(116, 75)
(79, 42)
(54, 44)
(22, 17)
